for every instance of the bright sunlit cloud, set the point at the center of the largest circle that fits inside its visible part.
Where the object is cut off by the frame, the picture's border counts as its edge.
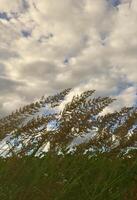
(47, 46)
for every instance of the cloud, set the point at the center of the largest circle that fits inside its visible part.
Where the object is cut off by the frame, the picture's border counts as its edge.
(46, 46)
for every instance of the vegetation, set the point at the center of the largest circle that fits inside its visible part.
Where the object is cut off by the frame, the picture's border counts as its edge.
(101, 166)
(68, 178)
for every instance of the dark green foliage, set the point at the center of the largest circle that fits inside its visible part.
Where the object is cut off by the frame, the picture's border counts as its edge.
(102, 168)
(68, 178)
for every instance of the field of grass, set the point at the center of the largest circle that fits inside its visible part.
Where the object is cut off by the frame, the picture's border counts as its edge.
(68, 178)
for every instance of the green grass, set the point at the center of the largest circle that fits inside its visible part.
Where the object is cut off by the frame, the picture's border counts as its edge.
(68, 178)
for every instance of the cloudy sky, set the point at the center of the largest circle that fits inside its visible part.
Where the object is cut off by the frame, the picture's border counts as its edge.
(49, 45)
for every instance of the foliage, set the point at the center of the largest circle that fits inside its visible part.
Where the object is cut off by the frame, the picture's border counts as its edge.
(68, 178)
(114, 133)
(102, 167)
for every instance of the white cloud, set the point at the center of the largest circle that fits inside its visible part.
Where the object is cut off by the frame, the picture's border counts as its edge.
(49, 46)
(6, 5)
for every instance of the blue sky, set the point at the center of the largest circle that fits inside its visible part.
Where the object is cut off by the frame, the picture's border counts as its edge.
(47, 46)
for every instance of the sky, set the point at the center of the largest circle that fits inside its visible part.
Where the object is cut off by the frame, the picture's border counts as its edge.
(47, 46)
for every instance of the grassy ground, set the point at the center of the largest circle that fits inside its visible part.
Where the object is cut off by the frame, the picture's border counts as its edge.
(68, 178)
